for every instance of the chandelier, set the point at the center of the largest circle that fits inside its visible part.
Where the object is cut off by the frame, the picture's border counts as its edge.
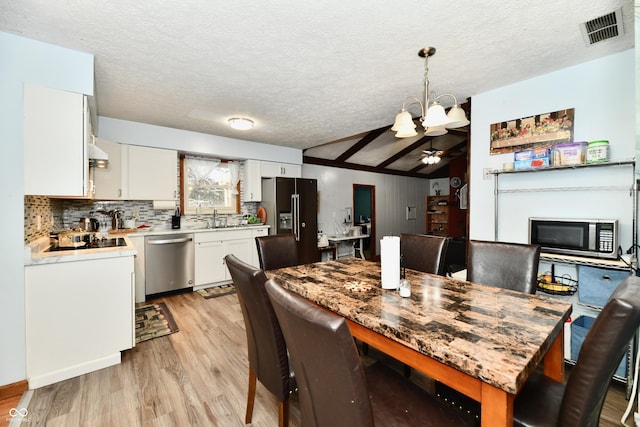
(433, 118)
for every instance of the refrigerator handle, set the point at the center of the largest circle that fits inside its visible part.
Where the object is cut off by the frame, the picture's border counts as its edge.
(295, 208)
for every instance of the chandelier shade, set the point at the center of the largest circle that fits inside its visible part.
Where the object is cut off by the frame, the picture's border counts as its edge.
(436, 116)
(435, 131)
(458, 117)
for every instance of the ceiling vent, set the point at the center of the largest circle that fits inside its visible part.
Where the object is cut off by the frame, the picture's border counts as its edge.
(602, 28)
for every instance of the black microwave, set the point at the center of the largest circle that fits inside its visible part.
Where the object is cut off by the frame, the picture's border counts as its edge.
(596, 238)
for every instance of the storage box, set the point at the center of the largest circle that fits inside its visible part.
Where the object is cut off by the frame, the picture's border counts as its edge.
(579, 329)
(569, 154)
(533, 158)
(598, 151)
(595, 285)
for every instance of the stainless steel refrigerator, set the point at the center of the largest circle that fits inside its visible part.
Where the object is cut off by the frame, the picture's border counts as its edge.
(292, 208)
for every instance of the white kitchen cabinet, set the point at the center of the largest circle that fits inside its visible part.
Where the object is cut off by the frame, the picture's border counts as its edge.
(252, 182)
(57, 128)
(138, 263)
(79, 316)
(273, 169)
(108, 181)
(255, 232)
(209, 262)
(149, 173)
(212, 247)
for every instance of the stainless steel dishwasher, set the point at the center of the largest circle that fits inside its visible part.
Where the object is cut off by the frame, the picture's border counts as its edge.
(169, 263)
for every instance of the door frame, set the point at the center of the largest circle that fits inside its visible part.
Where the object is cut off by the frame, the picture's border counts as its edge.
(372, 237)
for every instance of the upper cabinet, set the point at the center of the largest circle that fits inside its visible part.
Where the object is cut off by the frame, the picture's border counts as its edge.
(273, 169)
(150, 173)
(108, 181)
(57, 128)
(252, 191)
(136, 173)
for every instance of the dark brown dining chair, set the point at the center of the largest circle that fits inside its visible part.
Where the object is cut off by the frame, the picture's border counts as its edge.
(544, 402)
(267, 350)
(334, 389)
(504, 265)
(423, 253)
(277, 251)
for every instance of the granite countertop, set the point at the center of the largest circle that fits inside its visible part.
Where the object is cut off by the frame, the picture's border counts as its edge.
(496, 335)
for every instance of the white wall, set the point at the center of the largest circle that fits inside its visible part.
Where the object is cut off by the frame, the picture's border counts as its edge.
(134, 133)
(393, 195)
(24, 60)
(602, 93)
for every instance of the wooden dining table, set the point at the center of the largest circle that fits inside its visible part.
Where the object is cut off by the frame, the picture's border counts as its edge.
(480, 340)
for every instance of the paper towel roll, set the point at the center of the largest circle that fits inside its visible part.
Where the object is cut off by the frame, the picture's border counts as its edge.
(164, 204)
(390, 262)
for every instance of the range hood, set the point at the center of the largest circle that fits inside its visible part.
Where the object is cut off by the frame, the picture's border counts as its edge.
(97, 157)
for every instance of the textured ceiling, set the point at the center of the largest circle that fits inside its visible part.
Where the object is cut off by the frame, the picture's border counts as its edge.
(307, 73)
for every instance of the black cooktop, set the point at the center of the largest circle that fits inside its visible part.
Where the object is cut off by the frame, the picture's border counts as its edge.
(95, 244)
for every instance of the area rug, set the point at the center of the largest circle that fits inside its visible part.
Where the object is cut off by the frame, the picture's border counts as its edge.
(153, 321)
(217, 291)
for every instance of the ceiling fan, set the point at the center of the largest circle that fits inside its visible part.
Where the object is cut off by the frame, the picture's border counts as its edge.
(431, 156)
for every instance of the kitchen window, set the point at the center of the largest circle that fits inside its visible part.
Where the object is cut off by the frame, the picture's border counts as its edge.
(208, 184)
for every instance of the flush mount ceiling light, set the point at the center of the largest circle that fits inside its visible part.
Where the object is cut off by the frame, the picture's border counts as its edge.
(240, 123)
(434, 119)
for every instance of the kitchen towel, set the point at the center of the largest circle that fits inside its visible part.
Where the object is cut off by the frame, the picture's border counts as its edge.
(390, 262)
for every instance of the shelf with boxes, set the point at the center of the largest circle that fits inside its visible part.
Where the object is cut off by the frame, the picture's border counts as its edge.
(437, 215)
(566, 154)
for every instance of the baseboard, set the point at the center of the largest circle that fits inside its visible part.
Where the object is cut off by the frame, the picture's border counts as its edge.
(42, 380)
(14, 389)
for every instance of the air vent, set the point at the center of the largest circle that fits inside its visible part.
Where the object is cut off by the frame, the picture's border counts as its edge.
(602, 28)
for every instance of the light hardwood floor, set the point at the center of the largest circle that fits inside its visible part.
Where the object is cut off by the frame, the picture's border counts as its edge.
(196, 377)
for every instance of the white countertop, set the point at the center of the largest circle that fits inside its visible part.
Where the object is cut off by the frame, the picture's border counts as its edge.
(34, 253)
(160, 231)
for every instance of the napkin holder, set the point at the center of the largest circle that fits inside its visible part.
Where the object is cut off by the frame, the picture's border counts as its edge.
(390, 262)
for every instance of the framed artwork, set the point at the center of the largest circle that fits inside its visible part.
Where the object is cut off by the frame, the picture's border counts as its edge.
(530, 132)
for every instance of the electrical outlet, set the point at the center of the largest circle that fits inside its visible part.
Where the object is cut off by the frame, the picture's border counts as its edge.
(486, 173)
(333, 214)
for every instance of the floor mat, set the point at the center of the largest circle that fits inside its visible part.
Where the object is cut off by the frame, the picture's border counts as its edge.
(153, 321)
(217, 291)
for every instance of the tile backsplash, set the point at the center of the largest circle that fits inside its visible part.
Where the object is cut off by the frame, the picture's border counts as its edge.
(43, 210)
(58, 214)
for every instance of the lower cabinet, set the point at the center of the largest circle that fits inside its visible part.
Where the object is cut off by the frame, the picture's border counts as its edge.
(212, 247)
(209, 262)
(80, 323)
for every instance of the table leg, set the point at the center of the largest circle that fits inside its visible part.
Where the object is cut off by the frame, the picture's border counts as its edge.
(361, 251)
(496, 407)
(554, 359)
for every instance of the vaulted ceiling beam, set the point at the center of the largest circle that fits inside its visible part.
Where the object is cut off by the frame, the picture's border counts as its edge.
(404, 151)
(354, 166)
(369, 137)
